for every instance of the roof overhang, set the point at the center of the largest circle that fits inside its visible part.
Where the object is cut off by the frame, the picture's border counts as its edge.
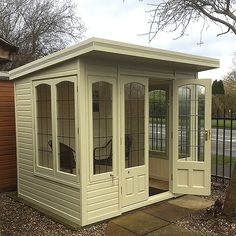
(7, 51)
(117, 50)
(4, 75)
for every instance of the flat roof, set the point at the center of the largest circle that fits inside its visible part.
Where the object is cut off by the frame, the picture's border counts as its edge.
(110, 48)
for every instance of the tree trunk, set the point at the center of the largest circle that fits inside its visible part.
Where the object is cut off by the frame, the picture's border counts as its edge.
(230, 201)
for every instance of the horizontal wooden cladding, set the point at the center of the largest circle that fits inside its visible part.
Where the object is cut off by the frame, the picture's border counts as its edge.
(8, 85)
(8, 173)
(8, 143)
(63, 199)
(7, 138)
(6, 94)
(6, 89)
(6, 103)
(7, 151)
(10, 120)
(6, 129)
(8, 170)
(6, 184)
(7, 108)
(102, 199)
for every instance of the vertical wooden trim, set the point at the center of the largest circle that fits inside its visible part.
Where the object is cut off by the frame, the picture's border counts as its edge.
(17, 146)
(146, 132)
(83, 139)
(170, 138)
(119, 136)
(54, 127)
(34, 138)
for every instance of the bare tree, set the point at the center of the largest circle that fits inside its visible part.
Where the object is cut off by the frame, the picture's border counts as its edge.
(39, 27)
(176, 15)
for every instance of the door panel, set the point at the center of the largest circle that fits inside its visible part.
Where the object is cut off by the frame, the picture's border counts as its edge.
(191, 136)
(134, 133)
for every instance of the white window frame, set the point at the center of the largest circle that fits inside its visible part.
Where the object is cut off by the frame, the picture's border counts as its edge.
(54, 173)
(113, 173)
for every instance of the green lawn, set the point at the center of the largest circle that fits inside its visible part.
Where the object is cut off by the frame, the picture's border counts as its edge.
(220, 159)
(221, 123)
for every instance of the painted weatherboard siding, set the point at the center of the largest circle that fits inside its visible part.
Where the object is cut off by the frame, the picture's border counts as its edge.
(58, 198)
(102, 200)
(8, 174)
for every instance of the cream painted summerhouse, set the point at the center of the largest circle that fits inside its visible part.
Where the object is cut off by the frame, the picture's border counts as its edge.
(105, 127)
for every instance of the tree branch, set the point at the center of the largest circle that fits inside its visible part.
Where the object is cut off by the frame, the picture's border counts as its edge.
(174, 15)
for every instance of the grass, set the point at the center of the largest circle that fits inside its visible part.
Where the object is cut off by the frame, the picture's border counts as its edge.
(220, 160)
(221, 123)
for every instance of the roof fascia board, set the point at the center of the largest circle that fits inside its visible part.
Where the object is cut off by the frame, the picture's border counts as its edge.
(153, 53)
(53, 59)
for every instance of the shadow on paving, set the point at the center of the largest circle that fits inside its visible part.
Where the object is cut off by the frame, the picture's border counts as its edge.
(157, 219)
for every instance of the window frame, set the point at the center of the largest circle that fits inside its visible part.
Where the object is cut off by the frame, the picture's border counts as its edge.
(54, 173)
(37, 167)
(111, 174)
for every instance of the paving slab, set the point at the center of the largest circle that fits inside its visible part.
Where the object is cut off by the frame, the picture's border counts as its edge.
(172, 230)
(140, 222)
(116, 230)
(192, 202)
(168, 212)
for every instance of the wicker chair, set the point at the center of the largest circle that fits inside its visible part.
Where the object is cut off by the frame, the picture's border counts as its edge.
(107, 149)
(67, 158)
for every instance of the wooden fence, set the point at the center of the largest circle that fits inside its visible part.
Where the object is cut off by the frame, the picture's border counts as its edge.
(8, 172)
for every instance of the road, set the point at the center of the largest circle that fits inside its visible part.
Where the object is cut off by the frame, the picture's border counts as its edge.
(220, 148)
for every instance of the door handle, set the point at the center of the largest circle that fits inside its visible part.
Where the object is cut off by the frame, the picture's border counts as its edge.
(207, 134)
(112, 178)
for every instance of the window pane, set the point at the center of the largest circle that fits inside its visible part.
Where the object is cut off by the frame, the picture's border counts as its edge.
(102, 127)
(158, 121)
(44, 125)
(66, 127)
(134, 124)
(191, 122)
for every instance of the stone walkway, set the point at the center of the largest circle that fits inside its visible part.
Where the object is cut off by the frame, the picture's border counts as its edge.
(157, 219)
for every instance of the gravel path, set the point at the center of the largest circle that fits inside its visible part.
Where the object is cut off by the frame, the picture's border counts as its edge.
(17, 219)
(211, 221)
(20, 220)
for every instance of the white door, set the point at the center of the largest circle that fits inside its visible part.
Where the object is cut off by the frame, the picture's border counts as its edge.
(134, 133)
(191, 136)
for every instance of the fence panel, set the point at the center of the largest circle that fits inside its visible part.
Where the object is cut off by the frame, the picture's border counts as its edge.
(223, 140)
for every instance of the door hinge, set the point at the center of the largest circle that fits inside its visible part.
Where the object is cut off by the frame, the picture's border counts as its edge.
(78, 130)
(171, 135)
(171, 177)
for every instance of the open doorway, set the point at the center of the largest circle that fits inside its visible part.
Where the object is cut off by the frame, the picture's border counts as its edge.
(158, 138)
